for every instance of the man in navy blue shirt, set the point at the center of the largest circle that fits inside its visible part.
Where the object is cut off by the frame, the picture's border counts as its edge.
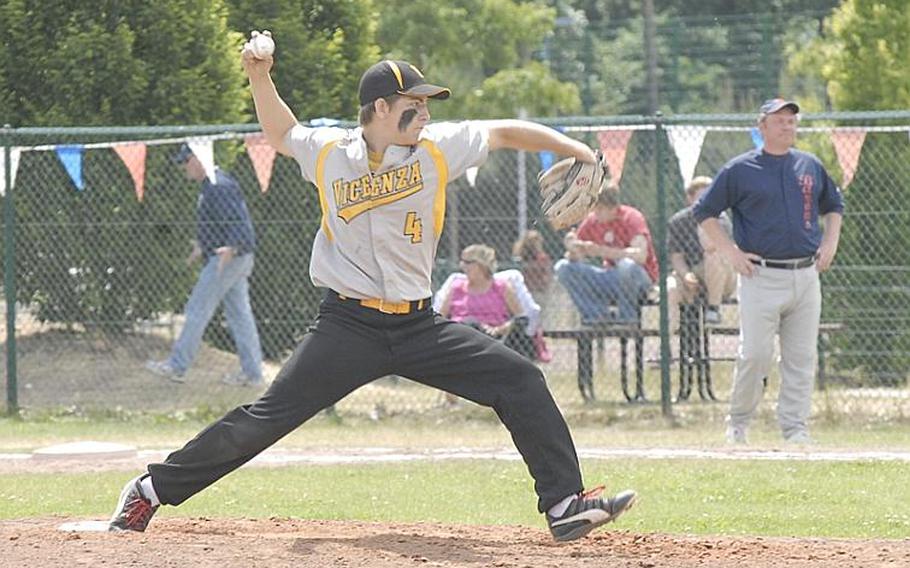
(777, 196)
(225, 242)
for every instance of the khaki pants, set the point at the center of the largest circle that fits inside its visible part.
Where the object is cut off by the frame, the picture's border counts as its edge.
(786, 303)
(714, 273)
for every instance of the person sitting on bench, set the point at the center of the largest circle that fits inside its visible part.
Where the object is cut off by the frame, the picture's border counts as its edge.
(695, 260)
(619, 235)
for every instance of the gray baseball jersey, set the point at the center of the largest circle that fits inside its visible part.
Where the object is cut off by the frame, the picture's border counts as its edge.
(380, 229)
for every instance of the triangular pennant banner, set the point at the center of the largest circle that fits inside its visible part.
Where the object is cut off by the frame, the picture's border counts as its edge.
(133, 157)
(613, 144)
(262, 155)
(757, 139)
(204, 152)
(13, 166)
(687, 142)
(546, 159)
(848, 143)
(71, 158)
(471, 175)
(314, 122)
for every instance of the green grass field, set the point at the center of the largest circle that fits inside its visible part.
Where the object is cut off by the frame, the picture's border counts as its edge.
(775, 498)
(634, 427)
(697, 496)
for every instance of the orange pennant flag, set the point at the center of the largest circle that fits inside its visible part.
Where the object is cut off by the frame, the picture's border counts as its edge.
(848, 143)
(262, 154)
(613, 144)
(133, 156)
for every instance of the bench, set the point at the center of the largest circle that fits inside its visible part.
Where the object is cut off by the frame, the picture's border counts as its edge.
(695, 355)
(584, 340)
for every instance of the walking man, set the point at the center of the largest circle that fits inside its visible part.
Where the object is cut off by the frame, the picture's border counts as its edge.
(224, 242)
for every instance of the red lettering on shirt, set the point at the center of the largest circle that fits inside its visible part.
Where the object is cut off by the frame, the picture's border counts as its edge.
(805, 182)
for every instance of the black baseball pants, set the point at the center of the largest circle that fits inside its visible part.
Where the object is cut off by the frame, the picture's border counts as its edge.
(349, 346)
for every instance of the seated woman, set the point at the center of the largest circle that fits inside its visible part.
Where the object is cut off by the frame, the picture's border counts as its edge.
(478, 299)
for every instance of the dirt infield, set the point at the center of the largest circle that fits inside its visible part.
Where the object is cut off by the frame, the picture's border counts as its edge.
(204, 543)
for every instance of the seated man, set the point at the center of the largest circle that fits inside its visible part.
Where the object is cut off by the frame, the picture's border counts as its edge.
(695, 260)
(619, 235)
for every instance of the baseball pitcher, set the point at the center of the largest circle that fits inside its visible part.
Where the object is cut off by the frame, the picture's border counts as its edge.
(382, 190)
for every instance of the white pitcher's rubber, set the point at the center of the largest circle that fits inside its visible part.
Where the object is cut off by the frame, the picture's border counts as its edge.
(85, 526)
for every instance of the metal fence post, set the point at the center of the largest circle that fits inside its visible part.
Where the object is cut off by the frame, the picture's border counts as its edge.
(521, 176)
(9, 273)
(660, 231)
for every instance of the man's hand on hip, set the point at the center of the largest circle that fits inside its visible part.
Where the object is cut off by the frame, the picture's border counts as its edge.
(825, 256)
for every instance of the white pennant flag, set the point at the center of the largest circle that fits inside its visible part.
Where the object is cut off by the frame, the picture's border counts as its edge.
(13, 166)
(204, 152)
(471, 175)
(687, 142)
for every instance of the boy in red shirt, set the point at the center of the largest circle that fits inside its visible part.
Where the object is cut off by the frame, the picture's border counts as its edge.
(619, 235)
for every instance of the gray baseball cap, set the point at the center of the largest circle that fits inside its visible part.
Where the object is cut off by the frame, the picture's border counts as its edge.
(771, 106)
(183, 154)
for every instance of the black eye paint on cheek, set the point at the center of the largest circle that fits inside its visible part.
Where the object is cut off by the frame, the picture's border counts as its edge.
(407, 117)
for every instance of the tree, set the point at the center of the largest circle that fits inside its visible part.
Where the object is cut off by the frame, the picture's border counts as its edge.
(864, 59)
(868, 55)
(120, 63)
(322, 48)
(531, 88)
(480, 49)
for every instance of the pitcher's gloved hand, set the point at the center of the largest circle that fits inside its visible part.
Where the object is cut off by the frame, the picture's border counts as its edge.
(569, 189)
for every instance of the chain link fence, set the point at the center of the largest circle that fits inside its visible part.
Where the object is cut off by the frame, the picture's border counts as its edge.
(714, 61)
(98, 222)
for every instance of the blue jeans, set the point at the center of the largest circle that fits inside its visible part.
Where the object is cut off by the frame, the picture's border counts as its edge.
(231, 286)
(594, 288)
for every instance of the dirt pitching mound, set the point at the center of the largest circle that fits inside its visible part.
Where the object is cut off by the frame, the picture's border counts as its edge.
(247, 543)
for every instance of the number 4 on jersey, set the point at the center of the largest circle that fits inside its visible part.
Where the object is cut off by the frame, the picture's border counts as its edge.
(413, 227)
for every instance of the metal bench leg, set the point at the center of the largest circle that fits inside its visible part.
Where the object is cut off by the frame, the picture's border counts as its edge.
(585, 368)
(683, 379)
(640, 369)
(689, 332)
(624, 367)
(706, 361)
(822, 348)
(700, 348)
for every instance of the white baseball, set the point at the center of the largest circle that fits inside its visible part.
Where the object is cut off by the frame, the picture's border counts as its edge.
(262, 46)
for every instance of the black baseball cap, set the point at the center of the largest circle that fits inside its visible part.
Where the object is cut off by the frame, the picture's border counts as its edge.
(388, 78)
(771, 106)
(183, 154)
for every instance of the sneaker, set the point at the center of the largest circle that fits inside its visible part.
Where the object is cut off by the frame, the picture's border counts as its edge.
(712, 315)
(241, 379)
(587, 512)
(164, 369)
(799, 437)
(133, 511)
(736, 435)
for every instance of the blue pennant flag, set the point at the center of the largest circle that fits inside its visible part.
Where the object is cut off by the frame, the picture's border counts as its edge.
(757, 138)
(546, 159)
(71, 158)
